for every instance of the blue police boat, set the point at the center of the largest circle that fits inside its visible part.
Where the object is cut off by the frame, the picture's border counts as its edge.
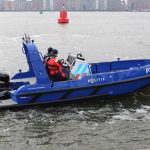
(88, 80)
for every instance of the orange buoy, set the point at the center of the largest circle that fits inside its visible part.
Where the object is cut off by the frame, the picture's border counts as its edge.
(63, 16)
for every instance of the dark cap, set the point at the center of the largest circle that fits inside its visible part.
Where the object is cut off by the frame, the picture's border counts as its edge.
(50, 50)
(55, 52)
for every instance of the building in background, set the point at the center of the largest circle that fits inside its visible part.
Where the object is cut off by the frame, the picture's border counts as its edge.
(113, 5)
(73, 5)
(84, 5)
(37, 5)
(123, 5)
(138, 5)
(28, 5)
(110, 5)
(57, 4)
(20, 5)
(51, 5)
(48, 5)
(87, 5)
(1, 5)
(102, 5)
(9, 5)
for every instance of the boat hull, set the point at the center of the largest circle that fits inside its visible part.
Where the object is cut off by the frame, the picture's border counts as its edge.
(71, 94)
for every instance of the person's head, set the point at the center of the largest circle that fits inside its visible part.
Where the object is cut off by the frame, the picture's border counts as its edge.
(50, 50)
(55, 52)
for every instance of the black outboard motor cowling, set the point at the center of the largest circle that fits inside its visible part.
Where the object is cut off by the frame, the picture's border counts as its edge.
(4, 78)
(4, 86)
(4, 95)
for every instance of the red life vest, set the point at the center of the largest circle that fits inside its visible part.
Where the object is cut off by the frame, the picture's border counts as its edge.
(54, 66)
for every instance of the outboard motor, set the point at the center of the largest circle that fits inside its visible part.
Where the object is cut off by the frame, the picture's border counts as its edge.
(4, 81)
(4, 86)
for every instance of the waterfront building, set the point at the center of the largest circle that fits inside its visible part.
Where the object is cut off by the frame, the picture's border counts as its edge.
(57, 4)
(83, 5)
(48, 5)
(138, 5)
(28, 5)
(9, 5)
(88, 5)
(123, 5)
(110, 5)
(37, 4)
(113, 5)
(20, 5)
(1, 5)
(73, 4)
(102, 5)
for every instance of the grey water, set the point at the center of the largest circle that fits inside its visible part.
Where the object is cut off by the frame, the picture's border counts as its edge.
(120, 123)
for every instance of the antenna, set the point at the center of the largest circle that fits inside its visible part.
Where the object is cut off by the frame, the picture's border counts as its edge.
(26, 38)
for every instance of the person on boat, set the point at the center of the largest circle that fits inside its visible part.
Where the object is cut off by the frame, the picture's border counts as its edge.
(46, 58)
(48, 55)
(56, 71)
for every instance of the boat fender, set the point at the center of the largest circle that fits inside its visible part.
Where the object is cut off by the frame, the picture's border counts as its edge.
(4, 95)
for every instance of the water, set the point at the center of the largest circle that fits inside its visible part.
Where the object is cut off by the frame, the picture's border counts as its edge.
(121, 123)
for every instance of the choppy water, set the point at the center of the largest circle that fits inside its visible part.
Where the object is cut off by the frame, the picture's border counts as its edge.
(121, 123)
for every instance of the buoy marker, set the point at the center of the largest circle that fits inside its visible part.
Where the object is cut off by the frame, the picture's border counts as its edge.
(63, 16)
